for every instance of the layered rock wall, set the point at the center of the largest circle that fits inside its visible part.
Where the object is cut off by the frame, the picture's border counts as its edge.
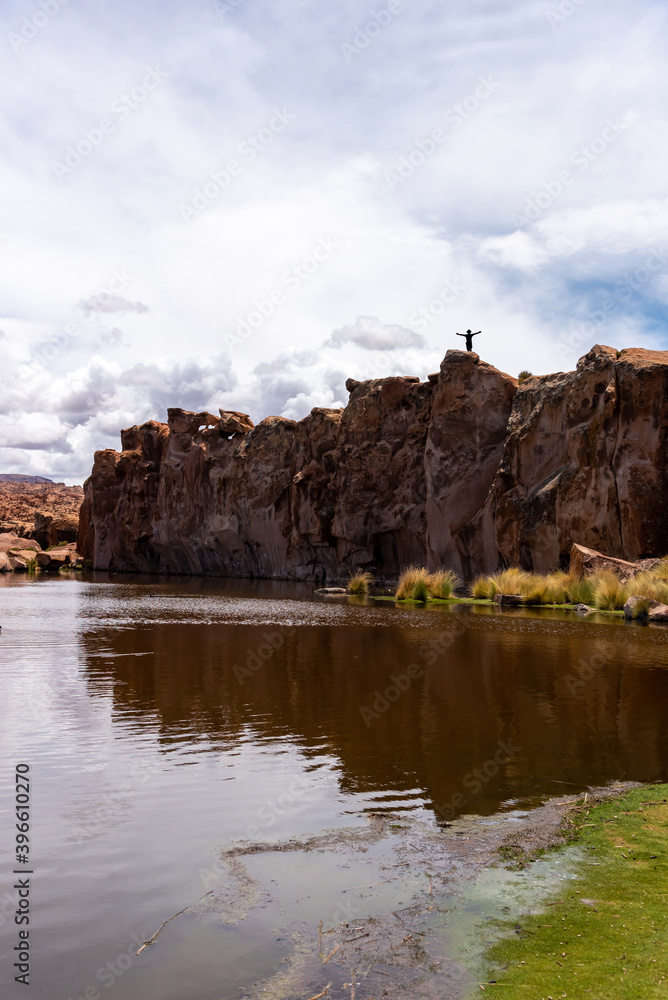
(465, 470)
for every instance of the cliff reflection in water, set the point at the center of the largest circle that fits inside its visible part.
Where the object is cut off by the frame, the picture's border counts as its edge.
(585, 703)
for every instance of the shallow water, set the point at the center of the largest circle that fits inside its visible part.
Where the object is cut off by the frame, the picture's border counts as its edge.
(167, 721)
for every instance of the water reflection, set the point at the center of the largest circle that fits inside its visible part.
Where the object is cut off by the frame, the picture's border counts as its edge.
(164, 719)
(580, 702)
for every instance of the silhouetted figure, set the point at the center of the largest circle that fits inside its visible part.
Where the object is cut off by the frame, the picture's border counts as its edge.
(469, 338)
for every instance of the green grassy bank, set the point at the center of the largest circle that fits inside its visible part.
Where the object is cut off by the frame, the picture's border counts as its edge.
(605, 935)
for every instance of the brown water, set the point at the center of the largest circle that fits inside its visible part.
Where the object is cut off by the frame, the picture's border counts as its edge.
(166, 721)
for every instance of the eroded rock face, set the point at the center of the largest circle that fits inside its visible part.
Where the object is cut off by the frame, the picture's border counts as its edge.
(472, 404)
(586, 461)
(465, 470)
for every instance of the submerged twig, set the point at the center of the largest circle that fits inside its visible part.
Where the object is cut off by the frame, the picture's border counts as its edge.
(165, 922)
(321, 994)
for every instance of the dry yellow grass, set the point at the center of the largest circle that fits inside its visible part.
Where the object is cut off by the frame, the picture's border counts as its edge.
(610, 594)
(358, 583)
(442, 583)
(413, 584)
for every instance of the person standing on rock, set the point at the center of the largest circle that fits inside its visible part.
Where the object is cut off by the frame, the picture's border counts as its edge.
(469, 338)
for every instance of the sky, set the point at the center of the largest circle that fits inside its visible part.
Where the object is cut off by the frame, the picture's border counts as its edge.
(240, 204)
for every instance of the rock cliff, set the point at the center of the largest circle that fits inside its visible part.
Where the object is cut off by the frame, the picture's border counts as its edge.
(466, 470)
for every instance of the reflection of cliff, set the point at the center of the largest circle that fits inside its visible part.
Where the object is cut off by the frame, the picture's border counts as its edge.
(465, 470)
(499, 680)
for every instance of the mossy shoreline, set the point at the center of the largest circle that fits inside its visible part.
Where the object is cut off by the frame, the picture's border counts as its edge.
(484, 603)
(605, 934)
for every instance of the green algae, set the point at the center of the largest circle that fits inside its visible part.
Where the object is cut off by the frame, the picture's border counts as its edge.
(606, 936)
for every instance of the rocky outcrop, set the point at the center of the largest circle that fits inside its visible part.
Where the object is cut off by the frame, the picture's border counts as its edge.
(465, 470)
(36, 508)
(472, 404)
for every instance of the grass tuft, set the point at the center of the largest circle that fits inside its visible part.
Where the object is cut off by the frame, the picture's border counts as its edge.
(442, 583)
(511, 581)
(648, 584)
(660, 572)
(610, 594)
(483, 588)
(580, 589)
(359, 583)
(413, 584)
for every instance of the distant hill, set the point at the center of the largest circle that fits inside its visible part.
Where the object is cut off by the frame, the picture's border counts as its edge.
(12, 477)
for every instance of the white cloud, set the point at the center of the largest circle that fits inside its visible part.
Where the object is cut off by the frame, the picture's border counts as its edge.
(106, 302)
(432, 255)
(368, 332)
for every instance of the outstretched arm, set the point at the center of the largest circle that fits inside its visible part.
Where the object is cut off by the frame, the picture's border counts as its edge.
(473, 334)
(462, 334)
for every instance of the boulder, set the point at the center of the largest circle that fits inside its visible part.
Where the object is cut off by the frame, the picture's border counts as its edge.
(60, 558)
(5, 565)
(512, 600)
(658, 614)
(9, 540)
(583, 609)
(332, 590)
(22, 560)
(585, 562)
(233, 422)
(638, 608)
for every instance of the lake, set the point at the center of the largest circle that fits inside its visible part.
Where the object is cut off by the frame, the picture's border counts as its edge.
(276, 764)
